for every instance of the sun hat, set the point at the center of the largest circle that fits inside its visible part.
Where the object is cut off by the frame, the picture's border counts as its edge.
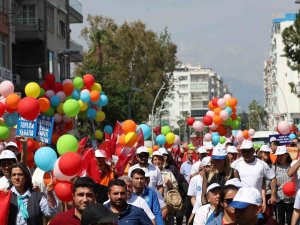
(234, 182)
(232, 149)
(7, 154)
(157, 153)
(97, 213)
(219, 152)
(246, 196)
(142, 149)
(265, 148)
(212, 187)
(201, 150)
(281, 150)
(163, 151)
(246, 144)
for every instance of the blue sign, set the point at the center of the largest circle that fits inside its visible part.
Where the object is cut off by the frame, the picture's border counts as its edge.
(26, 128)
(44, 129)
(282, 139)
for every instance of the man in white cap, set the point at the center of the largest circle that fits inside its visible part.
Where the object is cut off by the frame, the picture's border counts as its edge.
(155, 176)
(201, 152)
(252, 170)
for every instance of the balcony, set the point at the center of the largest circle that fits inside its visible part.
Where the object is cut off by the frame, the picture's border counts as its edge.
(77, 47)
(75, 11)
(28, 29)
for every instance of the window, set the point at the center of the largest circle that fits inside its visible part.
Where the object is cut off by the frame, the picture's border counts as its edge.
(199, 96)
(50, 18)
(276, 28)
(3, 51)
(2, 6)
(183, 86)
(198, 113)
(61, 24)
(201, 86)
(183, 78)
(28, 15)
(51, 61)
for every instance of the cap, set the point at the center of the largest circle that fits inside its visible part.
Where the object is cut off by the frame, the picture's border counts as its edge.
(191, 147)
(202, 150)
(147, 174)
(265, 148)
(11, 144)
(206, 161)
(281, 150)
(163, 151)
(97, 213)
(157, 153)
(246, 196)
(219, 152)
(246, 144)
(7, 154)
(142, 149)
(232, 149)
(100, 153)
(208, 145)
(273, 139)
(235, 182)
(212, 186)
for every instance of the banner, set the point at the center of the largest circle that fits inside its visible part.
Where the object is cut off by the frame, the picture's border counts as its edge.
(26, 128)
(44, 129)
(4, 206)
(282, 139)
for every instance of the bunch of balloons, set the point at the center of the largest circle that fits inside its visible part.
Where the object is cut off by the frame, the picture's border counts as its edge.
(166, 138)
(197, 125)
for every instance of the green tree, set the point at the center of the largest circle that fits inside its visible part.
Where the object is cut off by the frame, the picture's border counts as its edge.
(257, 116)
(124, 58)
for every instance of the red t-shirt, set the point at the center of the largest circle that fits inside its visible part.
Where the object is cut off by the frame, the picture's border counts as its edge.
(68, 218)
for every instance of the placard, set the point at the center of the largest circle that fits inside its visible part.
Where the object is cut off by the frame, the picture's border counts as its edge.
(26, 128)
(44, 129)
(282, 139)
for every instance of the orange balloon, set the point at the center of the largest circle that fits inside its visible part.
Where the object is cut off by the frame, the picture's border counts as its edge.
(232, 102)
(217, 111)
(128, 126)
(246, 134)
(211, 106)
(95, 95)
(12, 101)
(44, 104)
(46, 178)
(155, 148)
(217, 119)
(167, 145)
(68, 88)
(122, 140)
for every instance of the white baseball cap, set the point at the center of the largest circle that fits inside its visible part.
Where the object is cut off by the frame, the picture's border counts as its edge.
(7, 154)
(232, 149)
(206, 161)
(202, 150)
(246, 144)
(265, 148)
(273, 139)
(281, 150)
(100, 153)
(157, 153)
(163, 151)
(219, 152)
(142, 149)
(11, 144)
(235, 182)
(246, 196)
(212, 186)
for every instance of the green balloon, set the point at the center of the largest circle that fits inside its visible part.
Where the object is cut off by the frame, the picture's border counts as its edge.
(78, 82)
(165, 130)
(66, 143)
(42, 93)
(68, 97)
(238, 118)
(4, 132)
(50, 112)
(235, 124)
(228, 122)
(222, 139)
(71, 108)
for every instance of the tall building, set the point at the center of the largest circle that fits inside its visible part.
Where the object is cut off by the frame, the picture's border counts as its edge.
(280, 102)
(194, 87)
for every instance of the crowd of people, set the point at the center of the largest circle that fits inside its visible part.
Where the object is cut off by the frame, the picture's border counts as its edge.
(224, 185)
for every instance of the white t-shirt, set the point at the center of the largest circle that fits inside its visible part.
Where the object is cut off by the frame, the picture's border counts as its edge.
(154, 172)
(195, 186)
(252, 174)
(4, 183)
(297, 200)
(195, 167)
(161, 200)
(297, 175)
(203, 214)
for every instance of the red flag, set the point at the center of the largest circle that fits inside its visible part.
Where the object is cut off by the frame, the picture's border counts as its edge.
(82, 144)
(114, 137)
(106, 146)
(90, 166)
(4, 206)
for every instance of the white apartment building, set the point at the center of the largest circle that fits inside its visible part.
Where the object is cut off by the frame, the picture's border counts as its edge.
(194, 87)
(280, 103)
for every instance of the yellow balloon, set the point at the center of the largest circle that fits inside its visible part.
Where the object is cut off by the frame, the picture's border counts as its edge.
(83, 105)
(96, 87)
(98, 134)
(100, 116)
(32, 89)
(130, 138)
(150, 150)
(60, 109)
(170, 137)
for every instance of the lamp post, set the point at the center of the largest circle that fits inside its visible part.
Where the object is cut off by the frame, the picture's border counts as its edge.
(152, 112)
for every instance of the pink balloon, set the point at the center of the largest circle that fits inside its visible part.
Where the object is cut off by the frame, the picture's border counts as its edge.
(207, 137)
(57, 118)
(224, 115)
(240, 136)
(61, 95)
(283, 127)
(210, 113)
(198, 126)
(251, 132)
(50, 93)
(58, 174)
(6, 88)
(177, 140)
(227, 97)
(222, 103)
(213, 126)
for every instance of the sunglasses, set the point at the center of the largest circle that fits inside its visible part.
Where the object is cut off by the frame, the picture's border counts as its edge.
(228, 200)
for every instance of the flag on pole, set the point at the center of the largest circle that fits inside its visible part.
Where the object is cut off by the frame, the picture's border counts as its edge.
(4, 206)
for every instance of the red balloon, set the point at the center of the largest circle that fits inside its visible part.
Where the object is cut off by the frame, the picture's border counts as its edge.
(167, 145)
(2, 109)
(29, 108)
(45, 86)
(30, 145)
(157, 130)
(215, 101)
(88, 80)
(70, 163)
(190, 121)
(63, 190)
(289, 189)
(49, 79)
(57, 86)
(207, 120)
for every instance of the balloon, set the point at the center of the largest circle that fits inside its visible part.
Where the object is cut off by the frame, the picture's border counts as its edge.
(63, 190)
(291, 136)
(2, 109)
(57, 118)
(165, 130)
(103, 100)
(251, 132)
(217, 119)
(217, 111)
(198, 126)
(170, 138)
(83, 106)
(207, 120)
(207, 137)
(32, 89)
(58, 174)
(289, 189)
(190, 121)
(96, 87)
(45, 158)
(108, 129)
(215, 139)
(161, 139)
(98, 134)
(57, 86)
(145, 129)
(68, 88)
(100, 116)
(78, 82)
(283, 127)
(44, 104)
(29, 108)
(12, 101)
(69, 126)
(6, 88)
(213, 126)
(155, 147)
(150, 150)
(50, 93)
(221, 130)
(67, 81)
(11, 119)
(71, 108)
(224, 115)
(229, 110)
(50, 112)
(76, 94)
(227, 97)
(46, 178)
(177, 140)
(95, 95)
(221, 103)
(128, 126)
(215, 102)
(167, 145)
(210, 113)
(54, 101)
(61, 95)
(88, 80)
(91, 113)
(42, 93)
(49, 79)
(240, 136)
(121, 139)
(67, 143)
(70, 163)
(130, 138)
(232, 102)
(210, 105)
(156, 130)
(222, 139)
(85, 96)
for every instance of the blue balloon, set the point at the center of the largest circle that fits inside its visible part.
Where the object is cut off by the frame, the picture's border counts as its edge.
(85, 96)
(161, 139)
(292, 136)
(298, 127)
(54, 101)
(91, 113)
(215, 139)
(11, 119)
(76, 94)
(45, 158)
(229, 110)
(234, 132)
(146, 130)
(108, 129)
(103, 100)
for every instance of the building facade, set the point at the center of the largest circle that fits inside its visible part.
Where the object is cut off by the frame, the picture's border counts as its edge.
(280, 102)
(194, 87)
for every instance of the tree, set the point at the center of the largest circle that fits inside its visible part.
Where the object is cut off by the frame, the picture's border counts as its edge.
(257, 115)
(128, 57)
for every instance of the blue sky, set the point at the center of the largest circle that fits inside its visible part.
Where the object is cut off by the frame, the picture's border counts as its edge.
(230, 36)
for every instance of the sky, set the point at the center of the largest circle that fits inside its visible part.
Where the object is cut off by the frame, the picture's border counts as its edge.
(230, 36)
